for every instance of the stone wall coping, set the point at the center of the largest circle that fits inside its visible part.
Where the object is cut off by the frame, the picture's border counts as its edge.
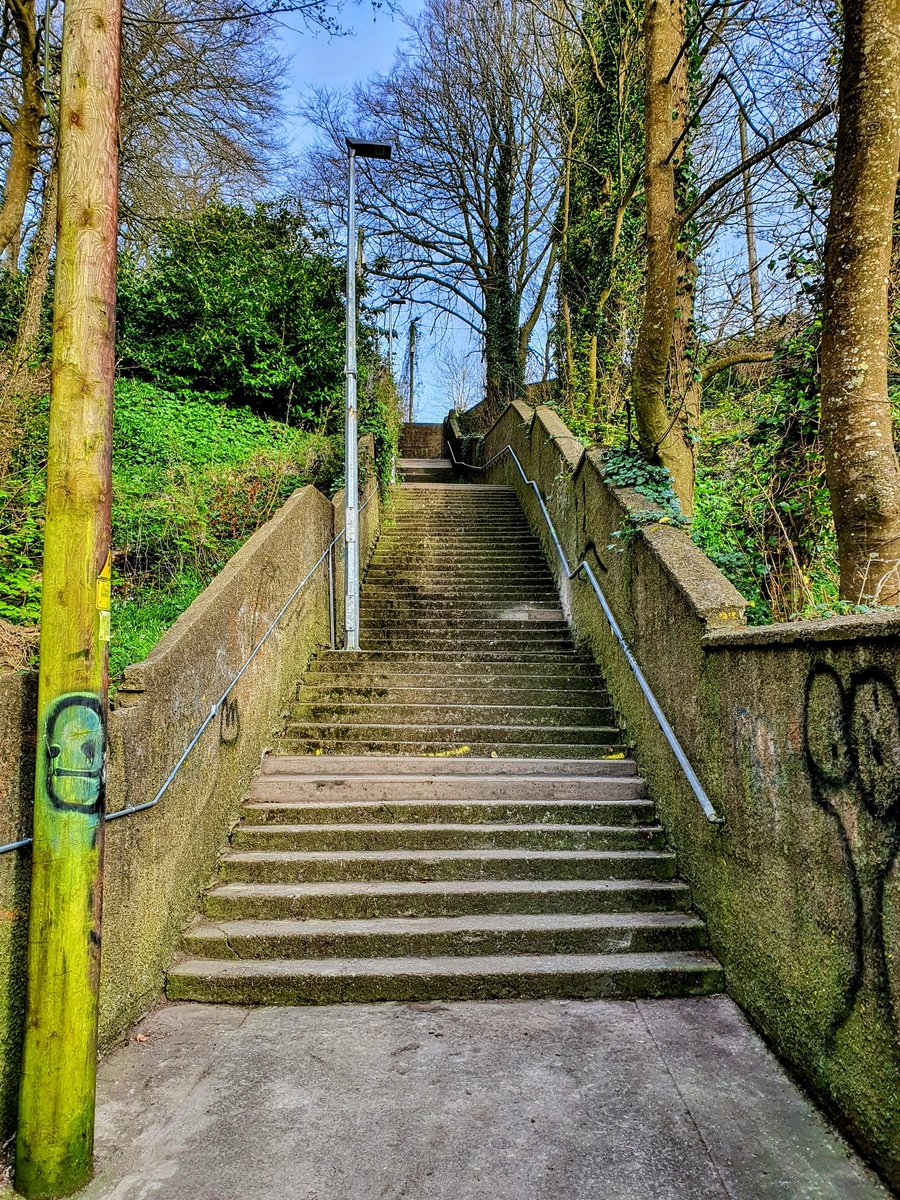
(852, 628)
(712, 596)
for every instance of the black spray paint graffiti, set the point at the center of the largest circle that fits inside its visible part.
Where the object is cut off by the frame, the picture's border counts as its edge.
(852, 746)
(229, 721)
(75, 742)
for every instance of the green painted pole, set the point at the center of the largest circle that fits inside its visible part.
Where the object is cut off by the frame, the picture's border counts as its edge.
(54, 1150)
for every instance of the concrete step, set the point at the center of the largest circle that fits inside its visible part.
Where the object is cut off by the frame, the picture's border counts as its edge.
(436, 660)
(509, 793)
(481, 977)
(275, 805)
(467, 581)
(439, 608)
(446, 594)
(460, 573)
(444, 550)
(403, 689)
(417, 637)
(294, 866)
(462, 623)
(514, 675)
(447, 898)
(555, 770)
(433, 835)
(453, 734)
(489, 934)
(353, 710)
(390, 747)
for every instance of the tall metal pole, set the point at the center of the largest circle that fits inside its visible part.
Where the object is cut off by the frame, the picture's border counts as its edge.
(56, 1100)
(351, 472)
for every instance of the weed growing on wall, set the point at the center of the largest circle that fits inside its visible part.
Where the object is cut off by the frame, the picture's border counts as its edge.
(629, 469)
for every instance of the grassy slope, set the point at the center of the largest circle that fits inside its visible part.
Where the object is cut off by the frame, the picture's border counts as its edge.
(191, 481)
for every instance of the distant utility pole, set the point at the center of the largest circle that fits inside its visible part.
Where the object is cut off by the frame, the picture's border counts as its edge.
(54, 1149)
(412, 369)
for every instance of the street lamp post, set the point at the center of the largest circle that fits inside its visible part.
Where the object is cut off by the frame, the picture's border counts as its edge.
(355, 149)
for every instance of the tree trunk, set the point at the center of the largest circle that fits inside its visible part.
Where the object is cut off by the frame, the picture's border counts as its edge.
(660, 433)
(29, 324)
(684, 386)
(505, 371)
(24, 150)
(41, 249)
(750, 230)
(860, 459)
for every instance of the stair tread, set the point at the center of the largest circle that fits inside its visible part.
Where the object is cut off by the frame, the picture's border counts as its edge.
(488, 922)
(487, 854)
(482, 964)
(355, 766)
(409, 827)
(460, 887)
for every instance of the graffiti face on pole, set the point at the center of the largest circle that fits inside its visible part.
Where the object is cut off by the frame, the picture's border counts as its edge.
(75, 742)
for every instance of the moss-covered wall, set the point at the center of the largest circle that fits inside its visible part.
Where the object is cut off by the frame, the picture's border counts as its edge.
(159, 860)
(794, 730)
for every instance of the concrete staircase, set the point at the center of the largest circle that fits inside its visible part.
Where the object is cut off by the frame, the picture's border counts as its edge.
(422, 454)
(451, 813)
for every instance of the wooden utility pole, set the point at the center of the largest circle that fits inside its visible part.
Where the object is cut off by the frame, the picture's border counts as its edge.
(412, 370)
(56, 1101)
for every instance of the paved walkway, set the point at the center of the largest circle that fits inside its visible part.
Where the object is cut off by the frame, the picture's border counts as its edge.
(519, 1100)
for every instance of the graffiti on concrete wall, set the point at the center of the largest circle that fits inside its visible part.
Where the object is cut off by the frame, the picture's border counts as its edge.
(851, 727)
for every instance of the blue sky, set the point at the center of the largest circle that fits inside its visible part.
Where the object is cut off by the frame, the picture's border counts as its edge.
(316, 60)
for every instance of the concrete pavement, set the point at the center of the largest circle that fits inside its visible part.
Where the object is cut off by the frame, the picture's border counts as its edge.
(507, 1100)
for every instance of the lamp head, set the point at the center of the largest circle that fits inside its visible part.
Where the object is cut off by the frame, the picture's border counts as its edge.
(369, 149)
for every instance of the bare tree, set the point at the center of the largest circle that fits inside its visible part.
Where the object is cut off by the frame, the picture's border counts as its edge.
(666, 393)
(861, 461)
(463, 212)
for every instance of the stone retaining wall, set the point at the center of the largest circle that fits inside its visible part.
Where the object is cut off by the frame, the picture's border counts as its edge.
(794, 731)
(422, 441)
(159, 860)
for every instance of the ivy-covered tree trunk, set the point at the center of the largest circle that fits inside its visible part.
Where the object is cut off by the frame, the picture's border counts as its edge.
(861, 462)
(661, 433)
(600, 223)
(504, 368)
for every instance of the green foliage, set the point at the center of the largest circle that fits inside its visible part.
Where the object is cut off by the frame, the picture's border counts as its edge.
(240, 306)
(379, 414)
(141, 617)
(629, 469)
(762, 511)
(12, 300)
(191, 481)
(235, 317)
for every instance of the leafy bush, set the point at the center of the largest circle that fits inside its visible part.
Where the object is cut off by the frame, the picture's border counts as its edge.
(240, 306)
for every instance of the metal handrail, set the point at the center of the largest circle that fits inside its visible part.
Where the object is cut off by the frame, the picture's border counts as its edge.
(214, 711)
(668, 732)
